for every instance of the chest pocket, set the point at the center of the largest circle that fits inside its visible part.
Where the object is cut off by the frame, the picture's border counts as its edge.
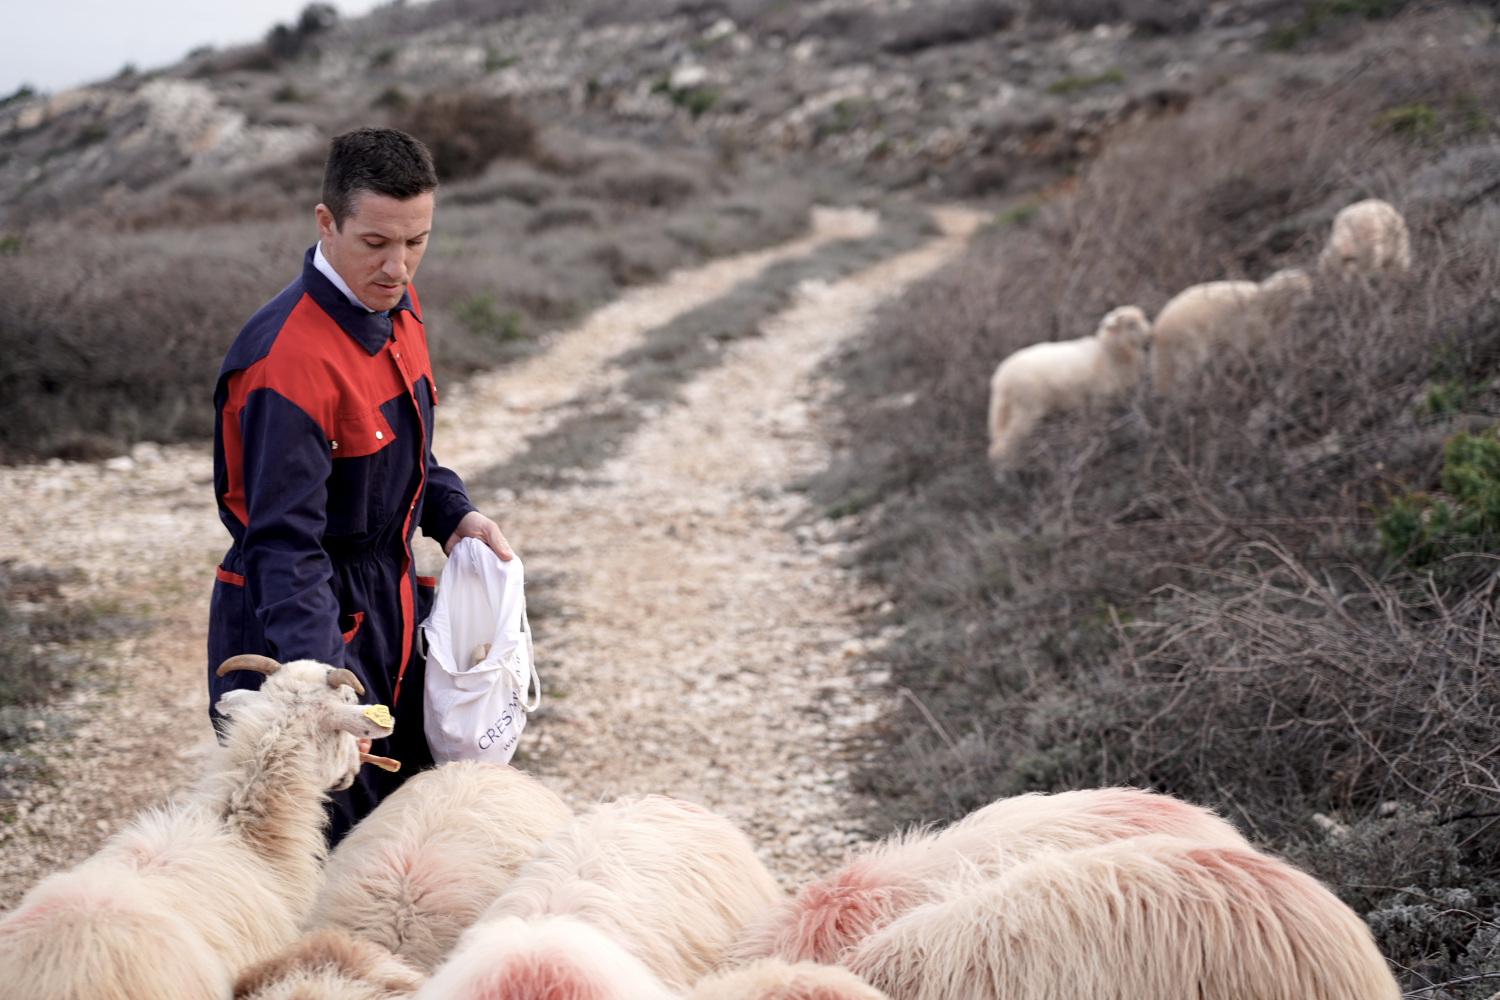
(359, 483)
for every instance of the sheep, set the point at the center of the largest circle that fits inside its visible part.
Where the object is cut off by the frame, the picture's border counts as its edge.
(670, 881)
(1049, 377)
(773, 979)
(545, 957)
(421, 868)
(330, 965)
(1199, 319)
(1369, 239)
(189, 893)
(830, 916)
(1149, 918)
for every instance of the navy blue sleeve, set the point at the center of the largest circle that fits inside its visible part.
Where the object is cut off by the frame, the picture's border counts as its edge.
(446, 501)
(286, 466)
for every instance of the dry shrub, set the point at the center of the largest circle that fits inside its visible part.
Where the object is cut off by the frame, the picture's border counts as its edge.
(467, 131)
(1186, 593)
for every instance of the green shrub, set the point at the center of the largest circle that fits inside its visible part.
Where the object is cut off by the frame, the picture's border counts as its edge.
(479, 317)
(1419, 530)
(466, 131)
(1416, 122)
(1070, 85)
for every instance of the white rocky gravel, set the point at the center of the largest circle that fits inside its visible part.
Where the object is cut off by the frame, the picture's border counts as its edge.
(702, 650)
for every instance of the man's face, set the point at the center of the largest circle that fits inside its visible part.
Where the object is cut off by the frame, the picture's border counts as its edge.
(377, 249)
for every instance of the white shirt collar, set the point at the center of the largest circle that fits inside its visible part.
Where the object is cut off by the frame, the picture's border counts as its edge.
(321, 263)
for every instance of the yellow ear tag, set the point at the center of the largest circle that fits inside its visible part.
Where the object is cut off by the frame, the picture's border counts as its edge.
(381, 716)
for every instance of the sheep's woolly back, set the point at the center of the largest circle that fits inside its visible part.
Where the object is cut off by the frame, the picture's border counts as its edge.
(670, 881)
(1369, 239)
(1208, 317)
(185, 895)
(1062, 375)
(329, 965)
(1151, 918)
(773, 979)
(543, 958)
(830, 916)
(421, 868)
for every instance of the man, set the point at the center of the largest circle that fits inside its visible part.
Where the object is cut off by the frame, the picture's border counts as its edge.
(323, 464)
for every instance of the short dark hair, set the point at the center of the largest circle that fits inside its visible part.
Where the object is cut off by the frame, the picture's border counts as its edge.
(384, 160)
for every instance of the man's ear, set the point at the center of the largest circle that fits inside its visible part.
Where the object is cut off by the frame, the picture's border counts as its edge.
(328, 226)
(232, 701)
(355, 720)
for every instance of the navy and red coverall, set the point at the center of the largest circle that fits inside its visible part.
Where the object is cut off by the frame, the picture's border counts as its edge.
(323, 470)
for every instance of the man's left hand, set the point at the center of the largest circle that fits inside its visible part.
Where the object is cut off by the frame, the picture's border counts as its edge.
(476, 525)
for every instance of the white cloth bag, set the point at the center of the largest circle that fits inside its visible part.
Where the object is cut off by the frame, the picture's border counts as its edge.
(476, 710)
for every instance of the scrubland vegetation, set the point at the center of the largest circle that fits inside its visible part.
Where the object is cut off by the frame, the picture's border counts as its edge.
(1272, 590)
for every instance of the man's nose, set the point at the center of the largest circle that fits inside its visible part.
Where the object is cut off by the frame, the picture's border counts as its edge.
(394, 266)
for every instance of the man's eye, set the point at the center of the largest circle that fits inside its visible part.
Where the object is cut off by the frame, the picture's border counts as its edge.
(373, 245)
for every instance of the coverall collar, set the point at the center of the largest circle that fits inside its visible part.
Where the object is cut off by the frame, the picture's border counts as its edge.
(369, 329)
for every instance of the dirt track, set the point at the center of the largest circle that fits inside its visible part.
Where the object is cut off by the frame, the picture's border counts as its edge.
(702, 649)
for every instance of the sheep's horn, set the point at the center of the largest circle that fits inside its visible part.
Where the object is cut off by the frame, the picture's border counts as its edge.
(384, 763)
(341, 676)
(249, 661)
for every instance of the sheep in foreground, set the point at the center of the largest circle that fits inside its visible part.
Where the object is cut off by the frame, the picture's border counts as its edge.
(1369, 239)
(421, 868)
(1204, 318)
(191, 892)
(543, 958)
(329, 965)
(773, 979)
(670, 881)
(1049, 377)
(1152, 918)
(830, 916)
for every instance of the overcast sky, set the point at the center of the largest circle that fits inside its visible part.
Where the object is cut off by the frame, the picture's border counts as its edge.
(56, 44)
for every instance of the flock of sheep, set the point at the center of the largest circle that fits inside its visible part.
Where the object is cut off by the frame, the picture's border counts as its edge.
(1369, 239)
(475, 882)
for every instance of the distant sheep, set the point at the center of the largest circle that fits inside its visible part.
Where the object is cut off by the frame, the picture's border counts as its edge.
(329, 965)
(1151, 918)
(1049, 377)
(1203, 319)
(543, 958)
(421, 868)
(773, 979)
(172, 906)
(1369, 239)
(828, 917)
(670, 881)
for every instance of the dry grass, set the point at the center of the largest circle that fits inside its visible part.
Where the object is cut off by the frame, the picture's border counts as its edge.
(1187, 593)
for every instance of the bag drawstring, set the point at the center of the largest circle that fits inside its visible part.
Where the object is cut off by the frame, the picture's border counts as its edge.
(535, 683)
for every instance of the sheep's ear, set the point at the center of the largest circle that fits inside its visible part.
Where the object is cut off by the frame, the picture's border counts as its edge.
(232, 701)
(362, 721)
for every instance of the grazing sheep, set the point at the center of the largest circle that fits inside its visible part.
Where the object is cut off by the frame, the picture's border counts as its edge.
(830, 916)
(1369, 239)
(1151, 918)
(1198, 320)
(1048, 377)
(191, 892)
(421, 868)
(543, 958)
(773, 979)
(670, 881)
(329, 965)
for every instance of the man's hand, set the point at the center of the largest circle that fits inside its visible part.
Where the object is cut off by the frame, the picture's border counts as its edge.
(476, 525)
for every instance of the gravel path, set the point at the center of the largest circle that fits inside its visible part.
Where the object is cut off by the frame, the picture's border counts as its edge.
(702, 649)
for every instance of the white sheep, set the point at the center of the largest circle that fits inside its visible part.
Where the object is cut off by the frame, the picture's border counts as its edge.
(1206, 318)
(329, 965)
(829, 916)
(1149, 918)
(773, 979)
(670, 881)
(1063, 375)
(543, 958)
(173, 905)
(1369, 239)
(421, 868)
